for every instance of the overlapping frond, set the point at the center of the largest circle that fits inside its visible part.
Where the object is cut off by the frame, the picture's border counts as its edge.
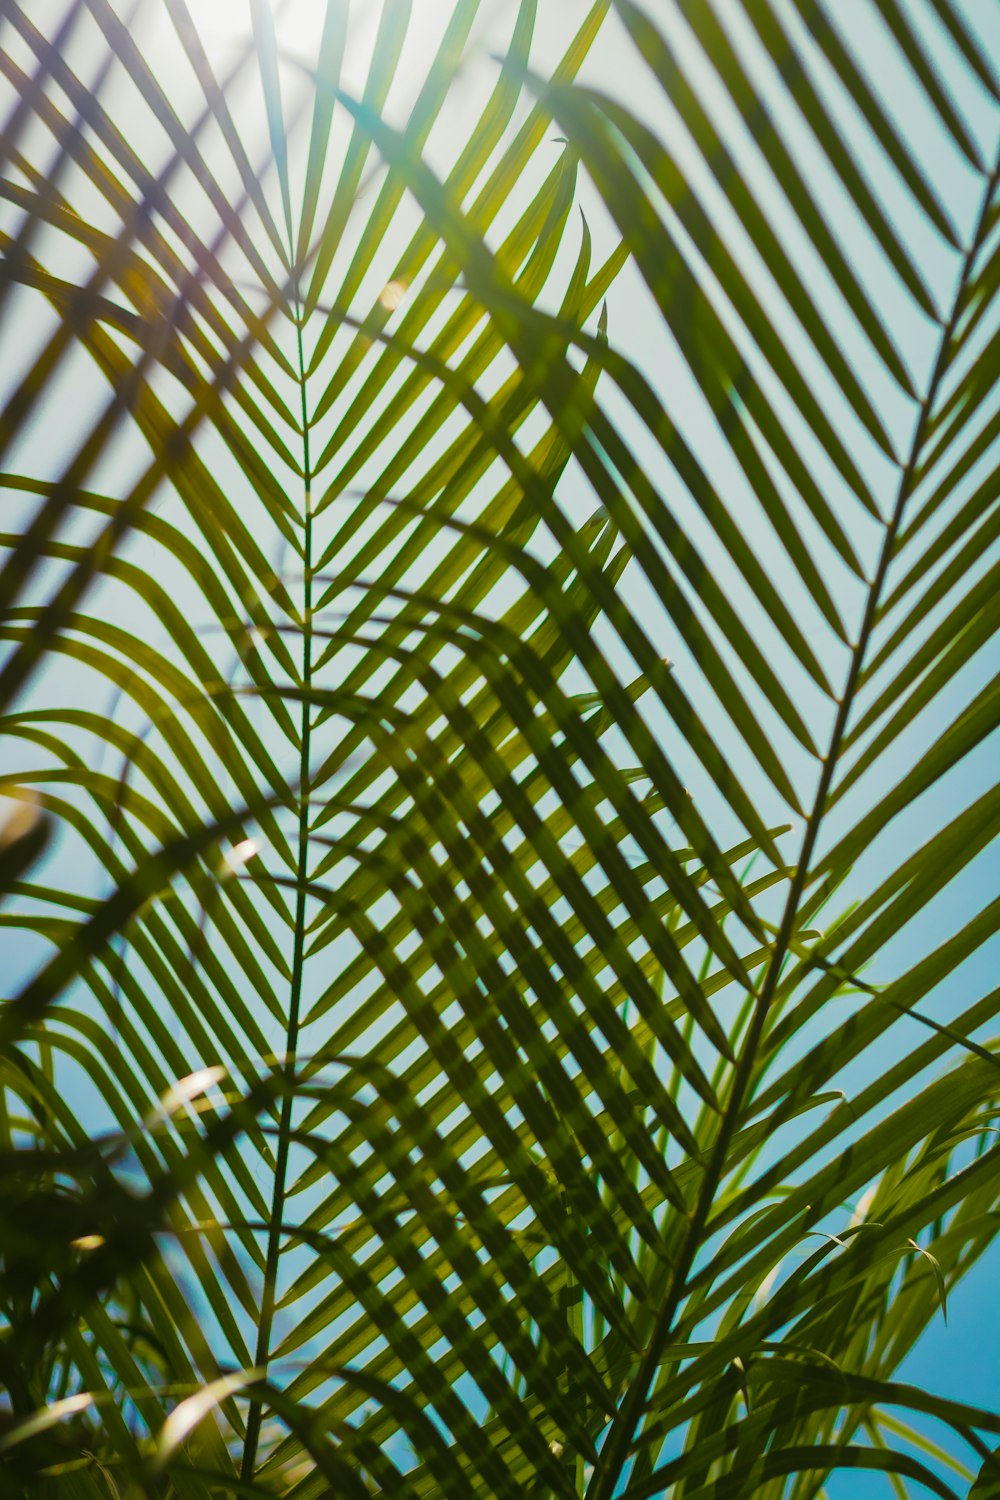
(489, 1024)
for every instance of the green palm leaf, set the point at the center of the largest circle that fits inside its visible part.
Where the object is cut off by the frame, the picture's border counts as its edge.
(454, 1047)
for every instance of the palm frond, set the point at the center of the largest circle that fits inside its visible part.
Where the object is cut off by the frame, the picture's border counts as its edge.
(511, 693)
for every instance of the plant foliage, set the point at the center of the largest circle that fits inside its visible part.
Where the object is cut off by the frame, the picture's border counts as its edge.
(450, 1047)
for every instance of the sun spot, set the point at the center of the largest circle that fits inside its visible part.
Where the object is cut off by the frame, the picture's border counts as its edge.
(392, 294)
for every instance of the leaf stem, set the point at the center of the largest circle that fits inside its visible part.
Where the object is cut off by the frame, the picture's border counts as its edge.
(275, 1230)
(625, 1426)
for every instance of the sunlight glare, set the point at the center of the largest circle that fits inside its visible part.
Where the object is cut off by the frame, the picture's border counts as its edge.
(299, 23)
